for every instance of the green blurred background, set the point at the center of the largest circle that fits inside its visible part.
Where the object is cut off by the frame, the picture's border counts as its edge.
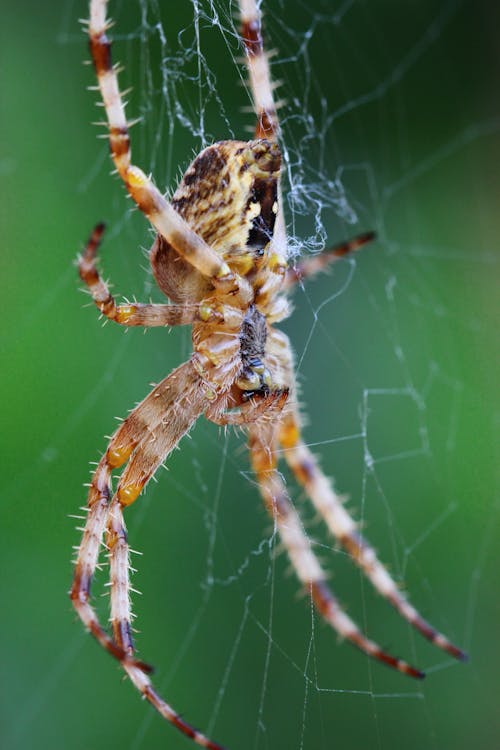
(396, 357)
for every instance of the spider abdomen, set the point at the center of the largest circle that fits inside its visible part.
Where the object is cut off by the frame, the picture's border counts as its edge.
(228, 196)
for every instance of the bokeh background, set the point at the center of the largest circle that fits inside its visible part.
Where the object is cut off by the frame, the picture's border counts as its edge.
(397, 361)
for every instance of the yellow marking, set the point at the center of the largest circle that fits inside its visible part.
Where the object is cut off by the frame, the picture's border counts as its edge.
(224, 270)
(243, 263)
(264, 463)
(206, 312)
(118, 456)
(129, 493)
(111, 540)
(289, 435)
(214, 357)
(267, 378)
(277, 263)
(250, 382)
(136, 177)
(125, 312)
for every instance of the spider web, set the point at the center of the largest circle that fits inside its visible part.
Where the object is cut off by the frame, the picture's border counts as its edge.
(389, 123)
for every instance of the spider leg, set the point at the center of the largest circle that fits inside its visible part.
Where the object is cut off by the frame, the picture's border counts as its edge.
(146, 195)
(265, 107)
(314, 264)
(135, 314)
(329, 505)
(263, 454)
(163, 434)
(258, 71)
(249, 411)
(121, 616)
(143, 463)
(267, 126)
(144, 439)
(88, 556)
(131, 433)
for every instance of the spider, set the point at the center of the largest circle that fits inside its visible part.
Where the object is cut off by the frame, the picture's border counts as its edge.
(220, 256)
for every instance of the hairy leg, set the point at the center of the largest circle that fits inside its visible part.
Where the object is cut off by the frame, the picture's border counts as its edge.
(131, 433)
(328, 504)
(146, 195)
(263, 445)
(258, 71)
(314, 264)
(88, 558)
(133, 314)
(121, 618)
(248, 411)
(144, 440)
(266, 112)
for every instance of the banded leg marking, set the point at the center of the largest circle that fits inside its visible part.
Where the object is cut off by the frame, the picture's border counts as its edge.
(266, 112)
(100, 49)
(131, 314)
(170, 408)
(143, 462)
(87, 561)
(314, 264)
(303, 559)
(119, 567)
(258, 71)
(146, 195)
(329, 505)
(143, 684)
(121, 617)
(121, 620)
(131, 433)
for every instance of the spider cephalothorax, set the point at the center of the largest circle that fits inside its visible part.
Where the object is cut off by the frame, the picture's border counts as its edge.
(221, 258)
